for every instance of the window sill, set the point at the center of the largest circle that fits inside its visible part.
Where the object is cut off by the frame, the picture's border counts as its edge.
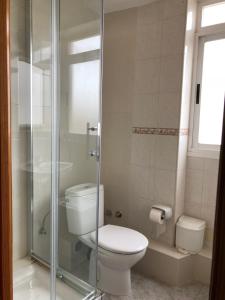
(213, 154)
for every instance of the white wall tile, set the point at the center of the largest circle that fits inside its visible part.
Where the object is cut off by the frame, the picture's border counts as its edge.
(165, 156)
(173, 36)
(147, 76)
(149, 40)
(150, 13)
(139, 181)
(202, 172)
(152, 100)
(194, 187)
(195, 163)
(168, 110)
(171, 73)
(172, 8)
(145, 110)
(142, 150)
(164, 187)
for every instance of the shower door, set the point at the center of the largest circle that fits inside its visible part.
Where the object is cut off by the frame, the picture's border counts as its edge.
(80, 35)
(64, 137)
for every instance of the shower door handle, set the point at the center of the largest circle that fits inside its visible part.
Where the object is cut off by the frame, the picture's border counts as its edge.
(93, 152)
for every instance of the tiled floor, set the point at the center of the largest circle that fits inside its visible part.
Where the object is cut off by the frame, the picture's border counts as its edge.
(147, 289)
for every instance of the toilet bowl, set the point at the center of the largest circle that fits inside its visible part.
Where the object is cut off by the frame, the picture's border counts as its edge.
(118, 248)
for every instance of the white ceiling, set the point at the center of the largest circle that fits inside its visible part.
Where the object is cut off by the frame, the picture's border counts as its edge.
(116, 5)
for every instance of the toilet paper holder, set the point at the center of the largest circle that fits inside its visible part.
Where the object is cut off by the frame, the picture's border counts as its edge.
(166, 211)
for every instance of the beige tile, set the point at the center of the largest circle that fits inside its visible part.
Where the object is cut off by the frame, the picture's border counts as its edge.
(173, 35)
(150, 13)
(168, 110)
(208, 214)
(118, 81)
(171, 74)
(210, 182)
(164, 187)
(173, 8)
(202, 271)
(139, 214)
(195, 163)
(116, 125)
(194, 187)
(145, 110)
(192, 210)
(147, 75)
(211, 165)
(142, 150)
(120, 22)
(114, 175)
(149, 40)
(116, 137)
(116, 199)
(166, 152)
(139, 181)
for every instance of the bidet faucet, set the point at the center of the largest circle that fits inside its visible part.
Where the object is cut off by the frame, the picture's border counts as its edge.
(42, 229)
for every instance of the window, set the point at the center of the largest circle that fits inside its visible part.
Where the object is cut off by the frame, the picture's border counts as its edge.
(84, 95)
(84, 74)
(212, 92)
(213, 14)
(88, 44)
(209, 85)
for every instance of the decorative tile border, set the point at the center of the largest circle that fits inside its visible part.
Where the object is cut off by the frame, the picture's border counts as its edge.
(160, 131)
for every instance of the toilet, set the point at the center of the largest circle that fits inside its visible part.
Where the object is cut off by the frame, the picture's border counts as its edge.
(119, 248)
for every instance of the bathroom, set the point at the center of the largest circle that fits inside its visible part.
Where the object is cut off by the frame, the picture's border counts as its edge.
(114, 160)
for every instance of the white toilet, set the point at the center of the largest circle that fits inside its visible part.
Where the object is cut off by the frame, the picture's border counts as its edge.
(119, 248)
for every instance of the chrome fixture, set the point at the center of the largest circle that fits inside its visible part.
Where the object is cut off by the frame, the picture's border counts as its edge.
(42, 229)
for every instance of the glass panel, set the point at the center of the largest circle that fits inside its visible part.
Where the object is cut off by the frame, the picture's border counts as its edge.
(41, 128)
(31, 44)
(212, 92)
(33, 146)
(213, 14)
(80, 62)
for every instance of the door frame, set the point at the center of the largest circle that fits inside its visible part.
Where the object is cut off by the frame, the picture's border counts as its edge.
(6, 282)
(217, 286)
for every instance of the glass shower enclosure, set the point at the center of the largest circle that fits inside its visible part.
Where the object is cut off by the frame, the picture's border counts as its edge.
(63, 115)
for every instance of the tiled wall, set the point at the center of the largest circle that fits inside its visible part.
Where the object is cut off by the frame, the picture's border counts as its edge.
(19, 139)
(201, 173)
(200, 193)
(143, 64)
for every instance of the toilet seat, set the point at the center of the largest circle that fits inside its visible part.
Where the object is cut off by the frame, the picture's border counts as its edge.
(120, 240)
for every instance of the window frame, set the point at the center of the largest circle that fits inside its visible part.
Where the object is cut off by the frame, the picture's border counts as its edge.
(202, 35)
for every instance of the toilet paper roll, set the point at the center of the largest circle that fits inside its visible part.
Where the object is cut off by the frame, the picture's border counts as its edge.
(156, 216)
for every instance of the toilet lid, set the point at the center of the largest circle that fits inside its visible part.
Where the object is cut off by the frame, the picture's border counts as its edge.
(119, 239)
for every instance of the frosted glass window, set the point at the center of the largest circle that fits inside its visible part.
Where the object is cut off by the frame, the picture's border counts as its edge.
(212, 92)
(85, 45)
(213, 14)
(84, 95)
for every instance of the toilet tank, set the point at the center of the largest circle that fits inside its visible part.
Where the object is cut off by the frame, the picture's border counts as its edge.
(81, 206)
(190, 234)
